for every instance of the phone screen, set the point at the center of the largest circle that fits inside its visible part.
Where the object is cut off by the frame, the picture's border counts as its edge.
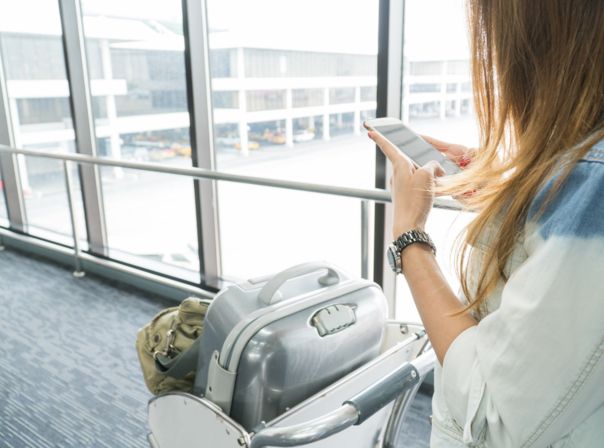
(413, 145)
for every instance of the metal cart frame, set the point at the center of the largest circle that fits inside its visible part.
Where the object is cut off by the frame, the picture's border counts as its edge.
(364, 409)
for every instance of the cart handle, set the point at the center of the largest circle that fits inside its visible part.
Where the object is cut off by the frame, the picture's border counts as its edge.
(352, 412)
(307, 432)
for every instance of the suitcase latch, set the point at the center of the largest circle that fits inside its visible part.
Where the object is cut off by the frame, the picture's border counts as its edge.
(333, 319)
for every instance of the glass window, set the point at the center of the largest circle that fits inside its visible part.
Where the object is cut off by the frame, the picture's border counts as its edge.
(39, 103)
(225, 100)
(223, 63)
(437, 101)
(259, 100)
(302, 96)
(368, 93)
(419, 87)
(40, 41)
(341, 95)
(341, 124)
(271, 229)
(425, 68)
(307, 97)
(137, 70)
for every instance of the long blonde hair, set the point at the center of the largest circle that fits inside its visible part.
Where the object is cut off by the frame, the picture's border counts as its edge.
(538, 80)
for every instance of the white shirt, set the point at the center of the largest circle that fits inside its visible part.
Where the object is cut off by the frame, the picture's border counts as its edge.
(531, 373)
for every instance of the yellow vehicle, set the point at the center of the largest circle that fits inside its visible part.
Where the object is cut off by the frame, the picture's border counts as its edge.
(276, 138)
(181, 150)
(250, 145)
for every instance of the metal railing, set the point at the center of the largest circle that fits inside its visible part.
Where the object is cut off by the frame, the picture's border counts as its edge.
(366, 196)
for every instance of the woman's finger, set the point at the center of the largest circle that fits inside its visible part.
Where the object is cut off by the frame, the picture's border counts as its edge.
(438, 144)
(434, 168)
(392, 153)
(458, 153)
(389, 150)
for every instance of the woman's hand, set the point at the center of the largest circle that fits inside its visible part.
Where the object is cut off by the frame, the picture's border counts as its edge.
(412, 187)
(460, 154)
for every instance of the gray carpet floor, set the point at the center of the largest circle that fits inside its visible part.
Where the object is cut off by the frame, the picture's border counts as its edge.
(69, 375)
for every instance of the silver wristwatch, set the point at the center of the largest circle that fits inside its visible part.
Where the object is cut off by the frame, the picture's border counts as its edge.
(399, 244)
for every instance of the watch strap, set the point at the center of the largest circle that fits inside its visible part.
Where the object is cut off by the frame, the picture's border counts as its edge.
(411, 237)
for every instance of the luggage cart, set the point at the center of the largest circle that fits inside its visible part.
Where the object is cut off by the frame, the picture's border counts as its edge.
(364, 409)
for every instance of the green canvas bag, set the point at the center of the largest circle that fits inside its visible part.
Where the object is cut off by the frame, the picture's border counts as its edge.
(168, 346)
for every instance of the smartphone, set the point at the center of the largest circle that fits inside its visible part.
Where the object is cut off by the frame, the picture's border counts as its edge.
(410, 144)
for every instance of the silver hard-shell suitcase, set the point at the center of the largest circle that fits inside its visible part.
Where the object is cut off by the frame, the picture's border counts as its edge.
(268, 345)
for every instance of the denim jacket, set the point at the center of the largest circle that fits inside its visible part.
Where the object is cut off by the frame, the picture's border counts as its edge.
(531, 373)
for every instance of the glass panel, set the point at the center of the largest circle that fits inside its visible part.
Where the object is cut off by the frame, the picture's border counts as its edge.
(137, 70)
(258, 100)
(272, 229)
(39, 103)
(151, 222)
(307, 97)
(46, 200)
(437, 101)
(301, 97)
(297, 97)
(341, 95)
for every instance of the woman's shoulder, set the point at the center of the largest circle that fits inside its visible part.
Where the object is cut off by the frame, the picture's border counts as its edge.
(576, 208)
(595, 154)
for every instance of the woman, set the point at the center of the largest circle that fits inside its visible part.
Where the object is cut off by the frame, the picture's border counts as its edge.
(520, 358)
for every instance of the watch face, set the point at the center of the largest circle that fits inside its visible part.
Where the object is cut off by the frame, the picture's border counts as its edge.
(392, 257)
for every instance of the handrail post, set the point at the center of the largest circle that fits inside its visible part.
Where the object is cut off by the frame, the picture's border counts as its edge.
(365, 217)
(78, 272)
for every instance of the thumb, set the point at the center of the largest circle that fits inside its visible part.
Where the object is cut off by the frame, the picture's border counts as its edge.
(434, 168)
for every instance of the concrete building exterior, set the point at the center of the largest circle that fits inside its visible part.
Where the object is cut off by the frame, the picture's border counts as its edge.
(262, 94)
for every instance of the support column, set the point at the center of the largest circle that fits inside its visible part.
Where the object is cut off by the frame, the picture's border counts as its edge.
(115, 147)
(243, 137)
(443, 92)
(18, 143)
(458, 99)
(289, 122)
(406, 112)
(311, 123)
(326, 134)
(357, 111)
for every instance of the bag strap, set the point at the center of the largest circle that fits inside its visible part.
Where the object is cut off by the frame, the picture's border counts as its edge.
(179, 366)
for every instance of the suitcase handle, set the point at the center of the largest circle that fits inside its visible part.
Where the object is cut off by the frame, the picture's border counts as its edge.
(269, 293)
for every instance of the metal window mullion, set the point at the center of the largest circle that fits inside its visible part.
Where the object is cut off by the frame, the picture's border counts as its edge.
(15, 204)
(199, 95)
(83, 121)
(389, 102)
